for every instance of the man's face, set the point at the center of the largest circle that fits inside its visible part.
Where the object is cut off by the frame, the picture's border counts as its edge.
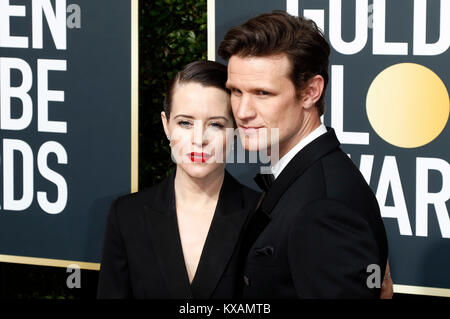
(263, 97)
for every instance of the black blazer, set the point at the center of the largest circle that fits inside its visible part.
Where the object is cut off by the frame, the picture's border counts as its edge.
(142, 253)
(319, 228)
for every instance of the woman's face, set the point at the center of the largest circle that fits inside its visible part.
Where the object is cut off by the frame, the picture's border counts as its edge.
(197, 128)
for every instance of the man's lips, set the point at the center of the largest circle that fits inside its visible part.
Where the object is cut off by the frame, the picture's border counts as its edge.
(250, 129)
(198, 157)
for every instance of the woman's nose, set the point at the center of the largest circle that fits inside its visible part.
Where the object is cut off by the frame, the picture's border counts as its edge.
(199, 137)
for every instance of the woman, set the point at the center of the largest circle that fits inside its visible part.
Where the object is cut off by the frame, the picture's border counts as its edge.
(178, 239)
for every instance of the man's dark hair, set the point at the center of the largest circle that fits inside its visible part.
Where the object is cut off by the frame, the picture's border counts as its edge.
(206, 73)
(279, 32)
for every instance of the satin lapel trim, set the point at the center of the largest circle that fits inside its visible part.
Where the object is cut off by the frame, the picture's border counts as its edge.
(219, 246)
(165, 239)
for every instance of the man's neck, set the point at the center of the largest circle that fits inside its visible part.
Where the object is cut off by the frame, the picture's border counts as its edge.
(279, 166)
(288, 145)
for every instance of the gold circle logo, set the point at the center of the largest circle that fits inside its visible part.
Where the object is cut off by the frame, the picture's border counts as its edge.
(407, 105)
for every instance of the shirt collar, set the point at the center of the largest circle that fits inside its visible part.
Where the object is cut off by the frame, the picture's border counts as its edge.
(281, 164)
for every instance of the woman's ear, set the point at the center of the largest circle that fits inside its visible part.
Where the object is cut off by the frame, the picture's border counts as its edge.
(165, 123)
(313, 91)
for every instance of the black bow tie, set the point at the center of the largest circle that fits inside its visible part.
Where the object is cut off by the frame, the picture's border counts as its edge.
(264, 181)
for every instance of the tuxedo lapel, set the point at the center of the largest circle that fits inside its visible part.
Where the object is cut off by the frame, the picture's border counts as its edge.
(312, 152)
(162, 225)
(261, 217)
(222, 238)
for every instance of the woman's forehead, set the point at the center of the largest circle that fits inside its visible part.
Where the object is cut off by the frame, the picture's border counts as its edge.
(200, 101)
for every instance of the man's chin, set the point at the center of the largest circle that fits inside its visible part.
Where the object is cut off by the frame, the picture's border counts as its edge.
(254, 145)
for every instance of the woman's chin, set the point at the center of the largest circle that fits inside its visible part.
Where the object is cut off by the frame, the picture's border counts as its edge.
(201, 170)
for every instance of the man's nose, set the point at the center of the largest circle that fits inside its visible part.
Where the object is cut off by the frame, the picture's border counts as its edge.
(245, 109)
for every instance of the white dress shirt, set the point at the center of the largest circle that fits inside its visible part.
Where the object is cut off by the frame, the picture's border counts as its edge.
(281, 164)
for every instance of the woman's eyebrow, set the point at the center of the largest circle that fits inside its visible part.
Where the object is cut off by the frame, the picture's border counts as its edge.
(217, 118)
(209, 118)
(184, 115)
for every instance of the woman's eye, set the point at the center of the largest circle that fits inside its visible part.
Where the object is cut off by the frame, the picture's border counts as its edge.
(217, 125)
(184, 123)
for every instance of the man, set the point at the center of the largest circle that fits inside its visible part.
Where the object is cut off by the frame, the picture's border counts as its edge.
(317, 228)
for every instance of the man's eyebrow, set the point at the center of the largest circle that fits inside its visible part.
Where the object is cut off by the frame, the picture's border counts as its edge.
(229, 85)
(261, 88)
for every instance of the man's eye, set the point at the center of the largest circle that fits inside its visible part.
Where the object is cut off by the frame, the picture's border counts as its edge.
(262, 92)
(236, 91)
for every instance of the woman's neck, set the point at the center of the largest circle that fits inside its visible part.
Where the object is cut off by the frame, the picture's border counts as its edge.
(197, 192)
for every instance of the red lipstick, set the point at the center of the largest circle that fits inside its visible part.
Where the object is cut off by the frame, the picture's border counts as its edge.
(199, 157)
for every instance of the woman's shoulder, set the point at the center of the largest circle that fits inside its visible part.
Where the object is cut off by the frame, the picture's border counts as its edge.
(144, 197)
(249, 195)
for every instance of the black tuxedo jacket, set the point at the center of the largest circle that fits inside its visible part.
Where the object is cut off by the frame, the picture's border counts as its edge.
(316, 231)
(142, 254)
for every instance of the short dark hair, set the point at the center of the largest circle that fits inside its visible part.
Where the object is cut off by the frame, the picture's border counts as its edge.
(206, 73)
(279, 32)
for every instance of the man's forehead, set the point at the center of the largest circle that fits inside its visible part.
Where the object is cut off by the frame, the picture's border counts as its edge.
(259, 69)
(258, 64)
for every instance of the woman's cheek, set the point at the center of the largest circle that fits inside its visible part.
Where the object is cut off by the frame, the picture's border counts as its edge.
(221, 141)
(180, 145)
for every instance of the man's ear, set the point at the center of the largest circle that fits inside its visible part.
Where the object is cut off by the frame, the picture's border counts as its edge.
(165, 123)
(313, 91)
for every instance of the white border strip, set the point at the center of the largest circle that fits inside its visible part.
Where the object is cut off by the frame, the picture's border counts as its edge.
(134, 95)
(418, 290)
(211, 29)
(48, 262)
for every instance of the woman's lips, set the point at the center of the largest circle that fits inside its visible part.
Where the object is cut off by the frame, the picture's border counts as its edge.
(199, 157)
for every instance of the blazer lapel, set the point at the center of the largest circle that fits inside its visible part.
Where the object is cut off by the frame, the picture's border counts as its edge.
(222, 238)
(162, 224)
